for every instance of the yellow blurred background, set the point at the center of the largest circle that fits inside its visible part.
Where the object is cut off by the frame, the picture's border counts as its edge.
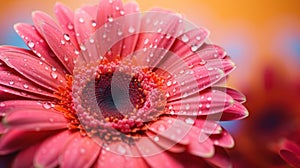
(262, 37)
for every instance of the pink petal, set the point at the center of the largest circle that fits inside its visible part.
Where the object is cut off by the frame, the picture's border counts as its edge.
(125, 155)
(235, 112)
(189, 42)
(200, 144)
(37, 44)
(25, 157)
(210, 51)
(224, 139)
(236, 95)
(35, 119)
(190, 80)
(10, 142)
(80, 152)
(158, 29)
(86, 38)
(32, 68)
(107, 159)
(50, 150)
(92, 10)
(7, 93)
(154, 155)
(107, 13)
(63, 48)
(174, 130)
(205, 103)
(165, 143)
(129, 42)
(208, 126)
(220, 158)
(84, 29)
(290, 151)
(18, 82)
(65, 17)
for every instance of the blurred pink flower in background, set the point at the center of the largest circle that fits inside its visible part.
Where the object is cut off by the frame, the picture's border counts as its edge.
(47, 91)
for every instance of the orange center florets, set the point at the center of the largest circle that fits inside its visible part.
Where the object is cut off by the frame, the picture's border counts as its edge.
(112, 98)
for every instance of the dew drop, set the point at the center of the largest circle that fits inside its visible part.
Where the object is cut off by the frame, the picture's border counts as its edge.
(161, 128)
(110, 19)
(62, 42)
(2, 104)
(66, 58)
(51, 120)
(11, 82)
(159, 30)
(82, 47)
(25, 86)
(189, 121)
(185, 38)
(94, 24)
(187, 106)
(30, 44)
(122, 12)
(120, 33)
(156, 138)
(81, 20)
(198, 38)
(131, 29)
(202, 62)
(121, 150)
(194, 48)
(146, 41)
(82, 150)
(66, 37)
(54, 75)
(47, 106)
(70, 26)
(92, 40)
(169, 83)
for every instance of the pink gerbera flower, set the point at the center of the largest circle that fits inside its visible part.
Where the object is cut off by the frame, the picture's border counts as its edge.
(108, 85)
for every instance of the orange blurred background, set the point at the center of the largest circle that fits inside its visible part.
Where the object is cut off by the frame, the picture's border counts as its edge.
(263, 39)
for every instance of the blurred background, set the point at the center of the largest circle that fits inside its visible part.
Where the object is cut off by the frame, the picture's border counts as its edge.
(263, 39)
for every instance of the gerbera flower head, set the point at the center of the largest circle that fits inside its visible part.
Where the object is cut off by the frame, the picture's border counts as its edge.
(108, 84)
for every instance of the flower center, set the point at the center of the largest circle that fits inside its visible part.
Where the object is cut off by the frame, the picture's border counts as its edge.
(113, 100)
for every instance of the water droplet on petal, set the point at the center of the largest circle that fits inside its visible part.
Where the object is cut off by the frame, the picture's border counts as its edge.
(30, 44)
(66, 37)
(146, 41)
(131, 29)
(70, 26)
(122, 12)
(189, 121)
(169, 83)
(198, 38)
(47, 106)
(11, 82)
(54, 75)
(51, 120)
(121, 150)
(25, 86)
(185, 38)
(156, 138)
(81, 20)
(62, 42)
(2, 104)
(94, 24)
(82, 47)
(194, 48)
(110, 19)
(161, 128)
(92, 40)
(82, 150)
